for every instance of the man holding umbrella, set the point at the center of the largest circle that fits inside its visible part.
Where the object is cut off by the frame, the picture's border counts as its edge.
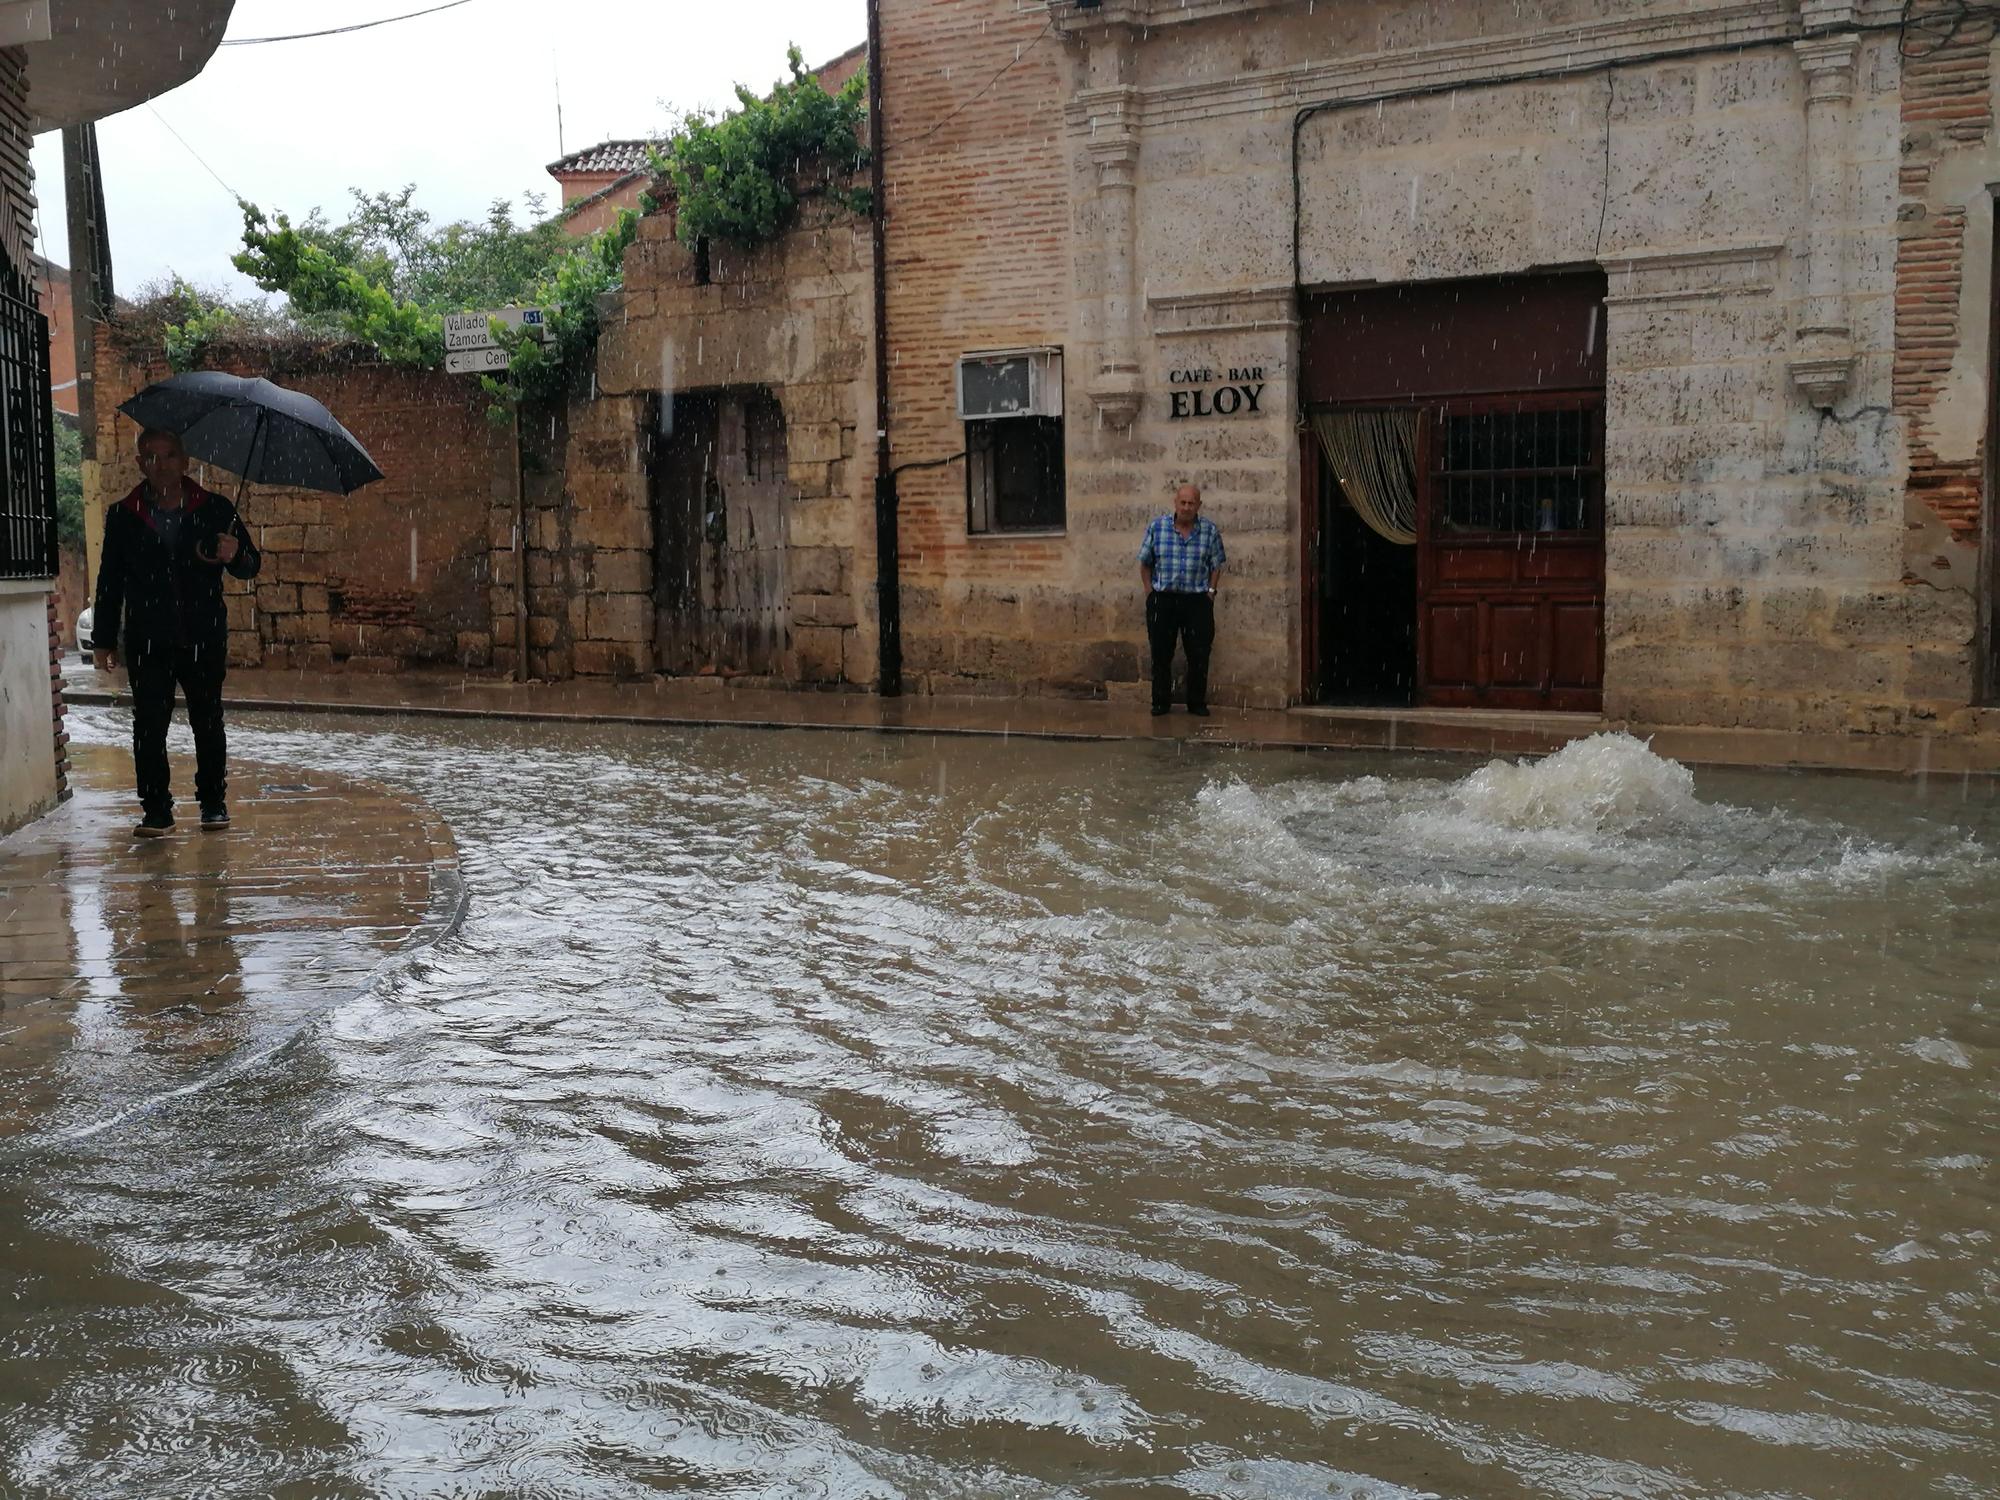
(159, 606)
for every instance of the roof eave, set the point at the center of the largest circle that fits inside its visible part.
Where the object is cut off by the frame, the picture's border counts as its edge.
(88, 59)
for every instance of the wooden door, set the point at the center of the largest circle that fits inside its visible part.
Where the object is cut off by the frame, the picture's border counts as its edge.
(1510, 562)
(721, 493)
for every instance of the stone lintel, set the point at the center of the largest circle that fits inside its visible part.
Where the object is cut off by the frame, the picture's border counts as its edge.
(1694, 273)
(1232, 310)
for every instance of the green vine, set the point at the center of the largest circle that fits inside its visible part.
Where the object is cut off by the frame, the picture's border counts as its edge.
(740, 177)
(540, 370)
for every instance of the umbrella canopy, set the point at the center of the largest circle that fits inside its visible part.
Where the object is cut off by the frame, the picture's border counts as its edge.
(260, 431)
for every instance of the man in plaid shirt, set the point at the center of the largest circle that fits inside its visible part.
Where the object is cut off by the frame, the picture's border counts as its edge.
(1180, 565)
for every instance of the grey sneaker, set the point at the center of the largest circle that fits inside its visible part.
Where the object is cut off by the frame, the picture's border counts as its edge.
(214, 818)
(154, 826)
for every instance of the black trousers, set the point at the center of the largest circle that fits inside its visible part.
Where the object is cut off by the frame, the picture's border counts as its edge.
(1191, 618)
(199, 674)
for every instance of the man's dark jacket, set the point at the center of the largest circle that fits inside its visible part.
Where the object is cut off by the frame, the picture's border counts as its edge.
(150, 604)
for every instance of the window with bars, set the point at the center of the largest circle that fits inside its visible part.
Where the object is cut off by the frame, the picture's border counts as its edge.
(1522, 469)
(27, 437)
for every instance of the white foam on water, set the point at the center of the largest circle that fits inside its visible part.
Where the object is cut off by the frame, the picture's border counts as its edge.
(1604, 819)
(1609, 783)
(1939, 1049)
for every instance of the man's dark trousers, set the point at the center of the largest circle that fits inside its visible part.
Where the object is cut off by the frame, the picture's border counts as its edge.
(199, 674)
(1191, 618)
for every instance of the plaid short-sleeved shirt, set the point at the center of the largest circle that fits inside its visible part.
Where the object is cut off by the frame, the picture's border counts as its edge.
(1182, 564)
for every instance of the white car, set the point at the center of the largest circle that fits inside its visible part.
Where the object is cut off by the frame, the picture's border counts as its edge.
(83, 622)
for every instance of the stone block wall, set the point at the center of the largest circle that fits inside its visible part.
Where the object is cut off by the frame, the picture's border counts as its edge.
(391, 576)
(790, 318)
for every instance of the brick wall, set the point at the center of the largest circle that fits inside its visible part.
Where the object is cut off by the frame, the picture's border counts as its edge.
(17, 177)
(393, 575)
(977, 190)
(1947, 106)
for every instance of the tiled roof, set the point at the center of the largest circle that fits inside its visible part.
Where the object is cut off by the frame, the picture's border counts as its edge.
(605, 156)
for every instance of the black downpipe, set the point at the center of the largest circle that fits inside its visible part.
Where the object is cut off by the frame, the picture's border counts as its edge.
(888, 556)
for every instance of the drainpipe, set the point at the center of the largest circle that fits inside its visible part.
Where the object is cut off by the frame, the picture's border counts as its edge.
(888, 560)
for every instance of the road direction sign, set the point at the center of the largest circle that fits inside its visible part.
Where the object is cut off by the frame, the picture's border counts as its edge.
(473, 330)
(477, 361)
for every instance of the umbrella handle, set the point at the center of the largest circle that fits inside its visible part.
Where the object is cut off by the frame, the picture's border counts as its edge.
(249, 462)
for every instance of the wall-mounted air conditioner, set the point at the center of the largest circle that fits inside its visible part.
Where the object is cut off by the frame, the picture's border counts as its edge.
(1010, 383)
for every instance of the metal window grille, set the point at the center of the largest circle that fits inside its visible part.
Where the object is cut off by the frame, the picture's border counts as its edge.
(27, 439)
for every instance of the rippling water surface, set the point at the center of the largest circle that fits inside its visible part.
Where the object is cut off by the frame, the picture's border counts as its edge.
(839, 1115)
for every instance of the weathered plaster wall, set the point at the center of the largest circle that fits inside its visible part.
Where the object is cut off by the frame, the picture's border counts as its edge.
(1944, 322)
(791, 317)
(392, 575)
(29, 749)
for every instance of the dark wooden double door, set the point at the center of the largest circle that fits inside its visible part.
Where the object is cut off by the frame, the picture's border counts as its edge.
(1500, 601)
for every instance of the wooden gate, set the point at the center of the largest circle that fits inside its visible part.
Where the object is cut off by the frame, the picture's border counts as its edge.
(720, 495)
(1510, 555)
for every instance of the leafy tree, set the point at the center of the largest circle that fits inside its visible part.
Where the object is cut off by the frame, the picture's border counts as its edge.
(387, 275)
(740, 176)
(471, 263)
(69, 485)
(320, 284)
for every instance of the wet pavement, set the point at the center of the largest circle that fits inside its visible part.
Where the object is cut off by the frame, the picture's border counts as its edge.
(131, 969)
(869, 1116)
(715, 701)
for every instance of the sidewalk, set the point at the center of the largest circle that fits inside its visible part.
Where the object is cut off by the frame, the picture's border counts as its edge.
(714, 701)
(131, 970)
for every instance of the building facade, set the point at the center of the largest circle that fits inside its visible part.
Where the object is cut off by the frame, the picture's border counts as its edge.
(1575, 355)
(55, 70)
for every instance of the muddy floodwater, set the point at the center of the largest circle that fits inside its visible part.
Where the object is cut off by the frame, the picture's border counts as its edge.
(845, 1115)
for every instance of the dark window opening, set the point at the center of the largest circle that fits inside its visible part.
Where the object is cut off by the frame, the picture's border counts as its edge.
(1014, 474)
(702, 273)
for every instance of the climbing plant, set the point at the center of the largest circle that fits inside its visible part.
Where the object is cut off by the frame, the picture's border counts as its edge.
(740, 176)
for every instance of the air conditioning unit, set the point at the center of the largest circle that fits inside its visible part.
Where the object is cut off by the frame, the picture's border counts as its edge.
(1010, 383)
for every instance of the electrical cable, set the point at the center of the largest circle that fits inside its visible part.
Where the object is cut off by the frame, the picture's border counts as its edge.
(1604, 197)
(234, 196)
(300, 36)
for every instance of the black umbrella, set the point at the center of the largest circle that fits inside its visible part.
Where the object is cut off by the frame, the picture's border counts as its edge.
(255, 429)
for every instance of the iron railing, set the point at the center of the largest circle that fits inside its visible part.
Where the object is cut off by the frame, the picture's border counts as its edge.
(27, 438)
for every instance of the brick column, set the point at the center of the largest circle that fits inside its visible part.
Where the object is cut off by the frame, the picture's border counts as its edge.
(59, 736)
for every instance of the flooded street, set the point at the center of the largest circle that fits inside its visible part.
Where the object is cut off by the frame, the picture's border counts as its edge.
(827, 1114)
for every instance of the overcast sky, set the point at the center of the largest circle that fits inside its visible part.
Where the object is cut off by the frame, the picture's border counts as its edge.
(462, 103)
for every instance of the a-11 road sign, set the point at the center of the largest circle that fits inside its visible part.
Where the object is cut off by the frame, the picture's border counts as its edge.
(477, 361)
(472, 330)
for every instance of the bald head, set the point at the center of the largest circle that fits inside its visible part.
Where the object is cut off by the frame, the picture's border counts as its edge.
(1187, 504)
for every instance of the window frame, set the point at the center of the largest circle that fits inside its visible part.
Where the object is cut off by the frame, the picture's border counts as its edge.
(981, 520)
